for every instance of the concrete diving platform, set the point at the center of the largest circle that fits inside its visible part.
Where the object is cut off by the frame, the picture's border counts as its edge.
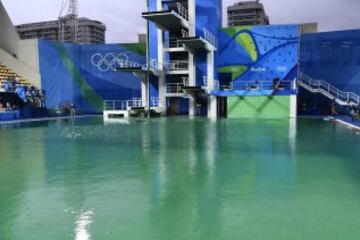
(192, 89)
(168, 20)
(115, 109)
(252, 93)
(197, 44)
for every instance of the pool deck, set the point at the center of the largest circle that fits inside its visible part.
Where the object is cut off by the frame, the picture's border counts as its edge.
(346, 120)
(44, 119)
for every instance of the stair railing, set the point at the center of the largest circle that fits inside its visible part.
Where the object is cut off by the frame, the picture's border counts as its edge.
(329, 90)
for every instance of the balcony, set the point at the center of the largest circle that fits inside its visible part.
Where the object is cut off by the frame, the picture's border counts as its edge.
(177, 67)
(210, 85)
(207, 42)
(170, 20)
(177, 89)
(153, 67)
(256, 88)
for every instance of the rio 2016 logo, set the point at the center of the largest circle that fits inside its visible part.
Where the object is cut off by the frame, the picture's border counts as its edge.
(282, 69)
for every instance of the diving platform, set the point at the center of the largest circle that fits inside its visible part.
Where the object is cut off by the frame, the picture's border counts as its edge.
(252, 93)
(135, 107)
(196, 44)
(205, 43)
(168, 20)
(192, 89)
(131, 70)
(153, 68)
(140, 72)
(115, 109)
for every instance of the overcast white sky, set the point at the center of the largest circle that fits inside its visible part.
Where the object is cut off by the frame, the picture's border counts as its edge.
(123, 20)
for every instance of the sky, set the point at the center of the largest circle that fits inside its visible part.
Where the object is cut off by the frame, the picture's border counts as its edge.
(124, 22)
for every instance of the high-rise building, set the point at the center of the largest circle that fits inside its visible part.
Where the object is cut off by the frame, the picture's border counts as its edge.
(88, 31)
(142, 37)
(247, 13)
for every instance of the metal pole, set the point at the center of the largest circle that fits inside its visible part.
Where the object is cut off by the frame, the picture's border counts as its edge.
(148, 60)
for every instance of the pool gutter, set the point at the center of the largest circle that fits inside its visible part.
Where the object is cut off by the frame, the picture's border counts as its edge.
(45, 119)
(347, 124)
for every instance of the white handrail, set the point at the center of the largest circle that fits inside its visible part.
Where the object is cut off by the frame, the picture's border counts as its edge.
(184, 33)
(153, 64)
(261, 85)
(178, 65)
(214, 85)
(329, 90)
(183, 12)
(174, 88)
(155, 102)
(114, 105)
(122, 105)
(185, 81)
(210, 38)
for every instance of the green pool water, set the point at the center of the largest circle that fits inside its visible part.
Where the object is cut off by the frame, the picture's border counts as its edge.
(177, 178)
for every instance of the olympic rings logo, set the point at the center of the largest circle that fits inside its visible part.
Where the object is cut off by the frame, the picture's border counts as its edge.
(110, 61)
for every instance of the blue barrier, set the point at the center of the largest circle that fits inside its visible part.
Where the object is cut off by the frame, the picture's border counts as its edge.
(9, 116)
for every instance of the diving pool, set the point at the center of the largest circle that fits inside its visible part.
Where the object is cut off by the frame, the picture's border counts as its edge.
(175, 178)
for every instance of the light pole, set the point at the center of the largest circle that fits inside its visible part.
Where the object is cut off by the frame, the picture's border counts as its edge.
(148, 61)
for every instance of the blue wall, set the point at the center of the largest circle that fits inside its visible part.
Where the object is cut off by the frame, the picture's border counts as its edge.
(333, 57)
(85, 74)
(209, 16)
(259, 53)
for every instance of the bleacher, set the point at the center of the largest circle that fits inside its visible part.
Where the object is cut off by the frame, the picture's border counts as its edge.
(7, 74)
(28, 102)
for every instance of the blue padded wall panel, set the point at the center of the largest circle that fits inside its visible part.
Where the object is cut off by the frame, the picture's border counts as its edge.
(260, 53)
(333, 57)
(86, 74)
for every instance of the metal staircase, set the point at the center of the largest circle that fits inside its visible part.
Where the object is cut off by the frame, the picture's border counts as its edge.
(328, 90)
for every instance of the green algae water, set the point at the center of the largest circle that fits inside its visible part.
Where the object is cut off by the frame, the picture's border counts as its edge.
(177, 178)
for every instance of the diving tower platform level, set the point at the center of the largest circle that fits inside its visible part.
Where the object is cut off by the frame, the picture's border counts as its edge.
(196, 44)
(252, 93)
(167, 19)
(200, 44)
(117, 109)
(114, 109)
(153, 68)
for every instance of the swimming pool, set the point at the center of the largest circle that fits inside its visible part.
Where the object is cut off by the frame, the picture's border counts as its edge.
(177, 178)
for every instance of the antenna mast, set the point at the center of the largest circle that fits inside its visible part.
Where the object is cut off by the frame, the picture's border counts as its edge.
(73, 15)
(73, 7)
(69, 22)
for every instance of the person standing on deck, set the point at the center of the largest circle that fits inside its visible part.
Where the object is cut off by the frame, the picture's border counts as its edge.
(333, 108)
(72, 109)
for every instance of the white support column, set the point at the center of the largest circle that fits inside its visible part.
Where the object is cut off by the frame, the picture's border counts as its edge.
(212, 107)
(192, 106)
(162, 76)
(293, 106)
(192, 83)
(162, 92)
(210, 69)
(192, 68)
(192, 18)
(144, 92)
(212, 100)
(161, 61)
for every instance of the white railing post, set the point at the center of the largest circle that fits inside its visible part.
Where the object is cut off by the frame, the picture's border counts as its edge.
(209, 37)
(182, 11)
